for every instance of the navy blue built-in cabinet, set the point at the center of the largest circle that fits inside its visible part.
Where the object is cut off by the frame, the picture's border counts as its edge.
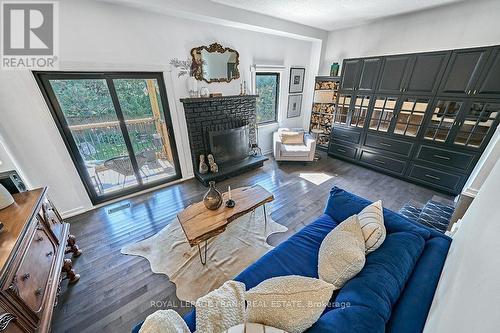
(425, 117)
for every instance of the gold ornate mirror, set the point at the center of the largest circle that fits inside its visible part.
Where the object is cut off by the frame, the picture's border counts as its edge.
(215, 63)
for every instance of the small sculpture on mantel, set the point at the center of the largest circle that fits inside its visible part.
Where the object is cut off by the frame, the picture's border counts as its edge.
(211, 162)
(203, 168)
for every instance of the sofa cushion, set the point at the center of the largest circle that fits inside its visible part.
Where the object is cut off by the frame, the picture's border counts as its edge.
(378, 286)
(342, 253)
(288, 150)
(410, 312)
(342, 204)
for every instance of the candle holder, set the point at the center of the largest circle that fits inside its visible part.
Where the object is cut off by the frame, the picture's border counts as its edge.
(230, 203)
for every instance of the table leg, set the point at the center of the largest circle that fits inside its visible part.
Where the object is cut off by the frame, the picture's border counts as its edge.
(265, 218)
(203, 261)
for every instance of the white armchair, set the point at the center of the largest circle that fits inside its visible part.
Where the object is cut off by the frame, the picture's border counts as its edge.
(293, 152)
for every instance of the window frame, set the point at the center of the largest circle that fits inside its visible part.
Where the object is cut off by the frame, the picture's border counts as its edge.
(277, 74)
(282, 71)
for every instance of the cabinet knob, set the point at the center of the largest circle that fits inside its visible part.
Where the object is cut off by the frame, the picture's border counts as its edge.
(38, 291)
(26, 276)
(50, 253)
(39, 239)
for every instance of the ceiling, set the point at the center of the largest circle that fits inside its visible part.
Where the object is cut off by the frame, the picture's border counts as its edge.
(333, 14)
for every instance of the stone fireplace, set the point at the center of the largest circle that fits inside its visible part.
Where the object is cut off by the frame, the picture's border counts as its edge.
(225, 127)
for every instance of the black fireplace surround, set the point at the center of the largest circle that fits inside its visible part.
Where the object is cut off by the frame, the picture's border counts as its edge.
(225, 127)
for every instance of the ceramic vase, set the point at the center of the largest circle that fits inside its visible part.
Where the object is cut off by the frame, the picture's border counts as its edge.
(204, 92)
(203, 167)
(213, 198)
(192, 87)
(6, 198)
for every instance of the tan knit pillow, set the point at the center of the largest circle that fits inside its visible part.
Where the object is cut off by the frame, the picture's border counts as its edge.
(342, 253)
(292, 303)
(371, 220)
(253, 328)
(292, 137)
(165, 321)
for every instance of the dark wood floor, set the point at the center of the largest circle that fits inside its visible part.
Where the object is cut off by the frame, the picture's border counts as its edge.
(116, 291)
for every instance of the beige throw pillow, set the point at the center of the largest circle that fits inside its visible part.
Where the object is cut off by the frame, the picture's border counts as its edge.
(221, 308)
(371, 220)
(165, 321)
(253, 328)
(342, 253)
(292, 303)
(292, 137)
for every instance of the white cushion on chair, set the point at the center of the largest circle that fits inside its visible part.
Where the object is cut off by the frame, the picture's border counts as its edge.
(294, 150)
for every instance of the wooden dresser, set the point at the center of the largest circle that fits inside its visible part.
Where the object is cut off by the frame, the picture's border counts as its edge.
(33, 242)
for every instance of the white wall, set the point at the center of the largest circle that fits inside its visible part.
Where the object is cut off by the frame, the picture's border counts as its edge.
(468, 293)
(460, 25)
(101, 36)
(6, 162)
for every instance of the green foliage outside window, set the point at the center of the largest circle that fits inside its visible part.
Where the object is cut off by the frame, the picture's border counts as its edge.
(267, 85)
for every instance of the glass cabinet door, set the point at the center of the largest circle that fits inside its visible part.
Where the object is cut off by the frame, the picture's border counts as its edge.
(479, 119)
(360, 111)
(411, 116)
(342, 110)
(382, 114)
(443, 118)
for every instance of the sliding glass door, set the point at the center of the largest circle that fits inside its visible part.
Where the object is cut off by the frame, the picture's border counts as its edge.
(117, 128)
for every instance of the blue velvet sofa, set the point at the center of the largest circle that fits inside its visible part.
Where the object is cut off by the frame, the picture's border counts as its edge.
(393, 292)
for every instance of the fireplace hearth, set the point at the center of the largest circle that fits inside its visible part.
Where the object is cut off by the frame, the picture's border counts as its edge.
(225, 127)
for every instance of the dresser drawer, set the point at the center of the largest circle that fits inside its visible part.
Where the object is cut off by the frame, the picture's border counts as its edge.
(343, 151)
(442, 179)
(31, 280)
(445, 157)
(384, 162)
(345, 135)
(392, 145)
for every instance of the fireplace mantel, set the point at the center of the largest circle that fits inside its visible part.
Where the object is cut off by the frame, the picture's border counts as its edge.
(216, 98)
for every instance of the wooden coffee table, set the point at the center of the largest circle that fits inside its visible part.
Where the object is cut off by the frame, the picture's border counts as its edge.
(200, 224)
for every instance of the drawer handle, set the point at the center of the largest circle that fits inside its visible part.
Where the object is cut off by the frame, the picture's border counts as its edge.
(432, 177)
(442, 157)
(380, 161)
(5, 320)
(344, 135)
(38, 291)
(341, 150)
(49, 253)
(26, 276)
(385, 144)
